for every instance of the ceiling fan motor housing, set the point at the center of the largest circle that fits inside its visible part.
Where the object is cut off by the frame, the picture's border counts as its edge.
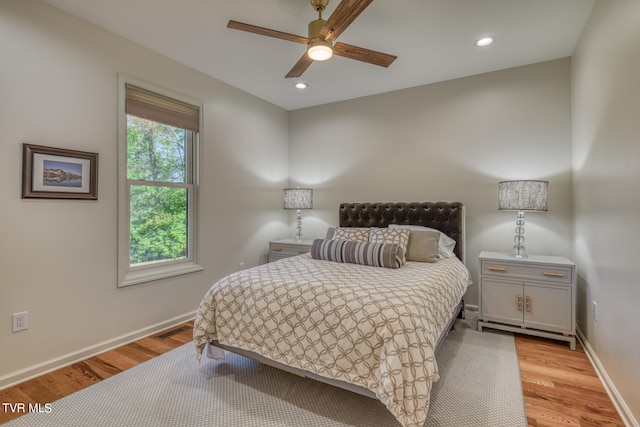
(314, 29)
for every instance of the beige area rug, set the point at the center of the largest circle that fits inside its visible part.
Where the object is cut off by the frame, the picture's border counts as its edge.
(479, 386)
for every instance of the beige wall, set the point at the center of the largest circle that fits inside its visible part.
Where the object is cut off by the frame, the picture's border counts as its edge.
(606, 174)
(58, 86)
(449, 141)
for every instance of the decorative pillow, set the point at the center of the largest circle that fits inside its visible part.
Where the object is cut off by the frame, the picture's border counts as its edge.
(423, 246)
(390, 235)
(351, 233)
(445, 244)
(354, 252)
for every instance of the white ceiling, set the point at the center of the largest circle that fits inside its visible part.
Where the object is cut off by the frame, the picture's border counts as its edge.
(433, 40)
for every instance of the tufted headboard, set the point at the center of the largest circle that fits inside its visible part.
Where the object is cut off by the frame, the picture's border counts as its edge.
(447, 217)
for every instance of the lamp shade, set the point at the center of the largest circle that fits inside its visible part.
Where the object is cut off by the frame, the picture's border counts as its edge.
(298, 198)
(523, 195)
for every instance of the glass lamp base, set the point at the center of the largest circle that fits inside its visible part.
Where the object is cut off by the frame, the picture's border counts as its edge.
(518, 248)
(299, 237)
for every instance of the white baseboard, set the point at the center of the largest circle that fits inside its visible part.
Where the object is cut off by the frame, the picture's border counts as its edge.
(471, 307)
(17, 377)
(622, 408)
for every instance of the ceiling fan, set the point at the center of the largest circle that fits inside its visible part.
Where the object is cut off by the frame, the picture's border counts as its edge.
(322, 34)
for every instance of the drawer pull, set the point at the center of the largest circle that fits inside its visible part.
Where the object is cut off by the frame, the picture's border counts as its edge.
(303, 251)
(519, 302)
(528, 304)
(546, 273)
(497, 269)
(277, 249)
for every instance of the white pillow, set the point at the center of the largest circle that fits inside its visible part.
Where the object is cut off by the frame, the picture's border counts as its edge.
(445, 243)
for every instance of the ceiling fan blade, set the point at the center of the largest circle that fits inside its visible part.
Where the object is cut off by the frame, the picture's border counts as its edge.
(343, 15)
(235, 25)
(300, 67)
(361, 54)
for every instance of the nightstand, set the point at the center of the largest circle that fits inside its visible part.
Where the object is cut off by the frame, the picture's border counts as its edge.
(286, 248)
(535, 295)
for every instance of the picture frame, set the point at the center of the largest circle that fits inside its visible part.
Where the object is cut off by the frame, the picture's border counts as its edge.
(58, 173)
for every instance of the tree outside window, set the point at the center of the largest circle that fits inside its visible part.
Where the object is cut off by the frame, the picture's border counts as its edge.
(158, 210)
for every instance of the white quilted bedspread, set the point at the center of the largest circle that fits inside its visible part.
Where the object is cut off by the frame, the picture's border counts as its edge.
(371, 326)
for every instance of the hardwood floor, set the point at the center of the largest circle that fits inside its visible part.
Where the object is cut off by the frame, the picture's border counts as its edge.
(560, 386)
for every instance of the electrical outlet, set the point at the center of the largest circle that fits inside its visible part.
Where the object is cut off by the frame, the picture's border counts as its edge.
(594, 310)
(20, 321)
(241, 266)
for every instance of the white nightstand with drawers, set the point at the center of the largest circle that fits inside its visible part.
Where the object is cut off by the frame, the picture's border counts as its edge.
(286, 248)
(535, 295)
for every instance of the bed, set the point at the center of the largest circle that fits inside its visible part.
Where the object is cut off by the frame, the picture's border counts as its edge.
(333, 316)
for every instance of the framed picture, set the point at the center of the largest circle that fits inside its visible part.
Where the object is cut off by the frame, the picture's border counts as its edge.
(57, 173)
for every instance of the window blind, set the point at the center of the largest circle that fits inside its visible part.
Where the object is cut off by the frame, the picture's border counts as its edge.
(159, 108)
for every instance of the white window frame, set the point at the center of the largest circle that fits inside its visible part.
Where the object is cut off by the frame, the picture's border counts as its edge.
(128, 275)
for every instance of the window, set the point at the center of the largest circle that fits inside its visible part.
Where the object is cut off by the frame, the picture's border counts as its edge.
(158, 146)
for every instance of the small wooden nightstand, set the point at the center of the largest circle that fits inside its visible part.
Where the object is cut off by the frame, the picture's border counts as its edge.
(535, 295)
(286, 248)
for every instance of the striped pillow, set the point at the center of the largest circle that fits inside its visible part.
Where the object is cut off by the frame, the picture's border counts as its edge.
(388, 255)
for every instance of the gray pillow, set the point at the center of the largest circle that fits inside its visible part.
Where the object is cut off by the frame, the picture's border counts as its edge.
(446, 243)
(423, 246)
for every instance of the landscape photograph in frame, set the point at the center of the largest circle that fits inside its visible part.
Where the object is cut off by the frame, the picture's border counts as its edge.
(58, 173)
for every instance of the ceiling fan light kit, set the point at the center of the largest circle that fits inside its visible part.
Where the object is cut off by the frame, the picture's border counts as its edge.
(322, 35)
(320, 50)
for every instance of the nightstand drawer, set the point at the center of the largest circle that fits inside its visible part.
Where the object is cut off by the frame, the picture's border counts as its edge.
(287, 249)
(554, 273)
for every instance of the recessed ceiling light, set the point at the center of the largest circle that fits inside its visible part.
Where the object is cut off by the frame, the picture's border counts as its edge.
(484, 41)
(302, 85)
